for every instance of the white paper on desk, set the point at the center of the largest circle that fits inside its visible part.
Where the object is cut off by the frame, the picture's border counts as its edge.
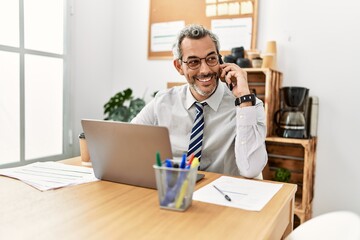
(245, 194)
(50, 175)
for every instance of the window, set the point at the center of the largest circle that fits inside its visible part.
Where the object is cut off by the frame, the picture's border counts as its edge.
(33, 85)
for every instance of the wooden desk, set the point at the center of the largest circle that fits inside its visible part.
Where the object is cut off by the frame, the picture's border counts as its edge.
(106, 210)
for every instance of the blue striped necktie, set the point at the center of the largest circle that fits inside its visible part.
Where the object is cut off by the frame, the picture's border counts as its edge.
(197, 131)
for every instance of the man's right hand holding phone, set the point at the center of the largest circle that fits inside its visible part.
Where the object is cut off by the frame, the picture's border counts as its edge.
(235, 78)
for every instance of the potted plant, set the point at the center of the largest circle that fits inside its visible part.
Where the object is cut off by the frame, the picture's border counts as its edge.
(123, 106)
(282, 175)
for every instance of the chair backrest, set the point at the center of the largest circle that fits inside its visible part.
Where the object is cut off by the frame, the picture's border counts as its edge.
(342, 225)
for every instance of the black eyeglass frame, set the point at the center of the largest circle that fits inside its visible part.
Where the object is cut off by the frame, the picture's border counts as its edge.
(218, 60)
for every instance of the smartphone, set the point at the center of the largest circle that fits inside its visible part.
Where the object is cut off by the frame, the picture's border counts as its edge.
(230, 86)
(220, 59)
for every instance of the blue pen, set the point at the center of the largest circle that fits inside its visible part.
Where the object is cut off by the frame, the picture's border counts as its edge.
(183, 161)
(169, 173)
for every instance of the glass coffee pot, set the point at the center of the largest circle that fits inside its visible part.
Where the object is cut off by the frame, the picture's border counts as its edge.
(290, 119)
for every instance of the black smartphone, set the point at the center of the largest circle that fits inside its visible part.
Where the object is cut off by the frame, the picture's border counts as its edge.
(230, 86)
(220, 59)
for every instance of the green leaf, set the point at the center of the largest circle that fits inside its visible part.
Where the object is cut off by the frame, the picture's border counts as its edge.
(135, 107)
(282, 175)
(116, 108)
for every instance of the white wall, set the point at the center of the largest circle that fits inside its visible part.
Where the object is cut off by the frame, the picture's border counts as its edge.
(132, 68)
(317, 48)
(91, 61)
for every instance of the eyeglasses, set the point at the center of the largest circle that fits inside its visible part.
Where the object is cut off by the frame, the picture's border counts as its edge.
(195, 62)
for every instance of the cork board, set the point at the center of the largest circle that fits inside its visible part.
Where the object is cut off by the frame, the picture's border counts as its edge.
(235, 23)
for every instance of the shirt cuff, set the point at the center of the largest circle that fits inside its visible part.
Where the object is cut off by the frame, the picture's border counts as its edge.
(246, 116)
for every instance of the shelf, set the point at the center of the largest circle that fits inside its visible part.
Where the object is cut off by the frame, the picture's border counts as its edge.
(287, 140)
(298, 156)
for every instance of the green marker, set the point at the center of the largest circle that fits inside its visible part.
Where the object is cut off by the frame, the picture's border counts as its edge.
(158, 159)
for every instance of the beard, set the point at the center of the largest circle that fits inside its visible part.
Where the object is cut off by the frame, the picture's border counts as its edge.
(199, 91)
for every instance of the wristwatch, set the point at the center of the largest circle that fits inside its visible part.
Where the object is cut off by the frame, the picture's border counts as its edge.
(246, 98)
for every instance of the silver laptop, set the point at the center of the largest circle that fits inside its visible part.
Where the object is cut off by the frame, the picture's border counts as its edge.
(124, 152)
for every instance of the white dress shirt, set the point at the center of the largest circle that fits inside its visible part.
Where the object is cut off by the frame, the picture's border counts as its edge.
(234, 137)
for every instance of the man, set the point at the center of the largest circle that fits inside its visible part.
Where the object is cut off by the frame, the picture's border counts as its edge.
(231, 139)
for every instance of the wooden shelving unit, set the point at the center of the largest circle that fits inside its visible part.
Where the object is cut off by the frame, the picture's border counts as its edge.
(297, 155)
(266, 84)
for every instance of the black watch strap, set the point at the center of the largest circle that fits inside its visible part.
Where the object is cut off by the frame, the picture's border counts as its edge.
(246, 98)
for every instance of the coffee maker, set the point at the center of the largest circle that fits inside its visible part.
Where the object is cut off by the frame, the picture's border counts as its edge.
(291, 118)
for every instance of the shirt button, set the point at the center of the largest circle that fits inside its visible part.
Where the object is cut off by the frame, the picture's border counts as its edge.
(241, 116)
(243, 142)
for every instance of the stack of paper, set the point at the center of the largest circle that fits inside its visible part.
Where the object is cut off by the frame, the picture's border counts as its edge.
(245, 194)
(50, 175)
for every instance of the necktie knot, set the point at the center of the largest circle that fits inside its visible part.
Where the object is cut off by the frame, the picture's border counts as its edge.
(200, 106)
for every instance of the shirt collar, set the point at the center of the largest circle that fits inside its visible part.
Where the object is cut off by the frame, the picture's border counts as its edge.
(213, 101)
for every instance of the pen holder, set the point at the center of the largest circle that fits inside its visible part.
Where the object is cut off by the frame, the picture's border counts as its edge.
(175, 187)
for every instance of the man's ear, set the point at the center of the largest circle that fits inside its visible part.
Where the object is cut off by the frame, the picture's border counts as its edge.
(178, 67)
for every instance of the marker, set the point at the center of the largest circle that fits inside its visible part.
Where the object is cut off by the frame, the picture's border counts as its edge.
(195, 162)
(226, 196)
(158, 159)
(168, 163)
(183, 161)
(180, 198)
(190, 159)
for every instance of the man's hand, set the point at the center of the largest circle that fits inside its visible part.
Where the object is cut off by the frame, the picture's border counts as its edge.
(237, 77)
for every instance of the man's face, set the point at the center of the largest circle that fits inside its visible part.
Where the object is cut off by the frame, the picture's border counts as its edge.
(204, 79)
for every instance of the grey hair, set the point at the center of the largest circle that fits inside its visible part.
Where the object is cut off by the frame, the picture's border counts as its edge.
(193, 31)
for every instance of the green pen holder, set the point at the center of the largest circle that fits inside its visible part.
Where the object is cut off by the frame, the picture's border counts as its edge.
(175, 187)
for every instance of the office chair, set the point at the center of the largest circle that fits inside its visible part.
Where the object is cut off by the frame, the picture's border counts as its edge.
(336, 225)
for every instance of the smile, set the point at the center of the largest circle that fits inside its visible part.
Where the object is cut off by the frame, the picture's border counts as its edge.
(205, 78)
